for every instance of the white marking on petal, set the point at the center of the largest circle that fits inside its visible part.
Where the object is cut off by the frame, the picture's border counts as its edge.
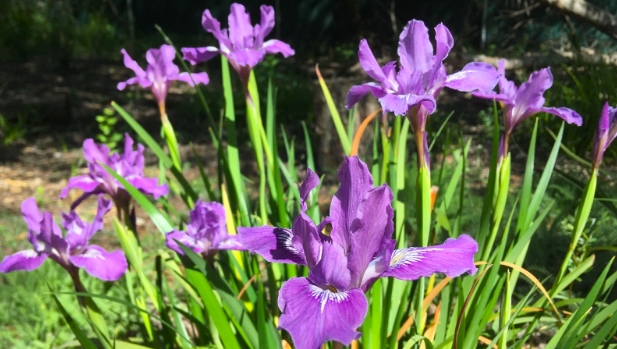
(375, 268)
(409, 255)
(29, 253)
(325, 296)
(459, 76)
(91, 253)
(75, 228)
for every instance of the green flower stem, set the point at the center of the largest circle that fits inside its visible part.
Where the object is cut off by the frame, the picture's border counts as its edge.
(254, 134)
(423, 203)
(423, 207)
(233, 157)
(260, 141)
(503, 185)
(170, 138)
(582, 216)
(385, 161)
(400, 185)
(91, 309)
(174, 150)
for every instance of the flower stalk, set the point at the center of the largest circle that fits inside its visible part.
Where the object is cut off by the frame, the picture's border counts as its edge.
(502, 190)
(170, 138)
(606, 132)
(582, 215)
(254, 124)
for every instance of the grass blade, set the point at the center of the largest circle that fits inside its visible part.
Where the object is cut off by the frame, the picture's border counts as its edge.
(81, 336)
(336, 118)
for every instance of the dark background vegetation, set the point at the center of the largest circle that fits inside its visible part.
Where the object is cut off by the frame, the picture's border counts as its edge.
(71, 39)
(62, 31)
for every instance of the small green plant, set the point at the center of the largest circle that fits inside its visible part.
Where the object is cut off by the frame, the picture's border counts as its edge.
(40, 195)
(10, 132)
(107, 124)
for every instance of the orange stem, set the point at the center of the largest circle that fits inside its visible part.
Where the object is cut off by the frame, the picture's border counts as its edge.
(356, 138)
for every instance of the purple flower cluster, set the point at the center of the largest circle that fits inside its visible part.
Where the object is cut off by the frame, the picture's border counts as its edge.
(129, 165)
(159, 74)
(206, 232)
(421, 74)
(71, 251)
(525, 101)
(412, 90)
(330, 303)
(242, 44)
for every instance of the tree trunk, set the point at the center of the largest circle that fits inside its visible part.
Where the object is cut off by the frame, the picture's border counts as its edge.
(534, 60)
(597, 17)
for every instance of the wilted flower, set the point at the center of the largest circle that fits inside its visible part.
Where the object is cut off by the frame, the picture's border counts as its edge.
(129, 165)
(242, 44)
(206, 232)
(72, 251)
(330, 304)
(523, 102)
(159, 74)
(421, 75)
(606, 132)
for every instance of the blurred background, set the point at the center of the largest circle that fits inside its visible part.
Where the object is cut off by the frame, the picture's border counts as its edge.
(60, 63)
(60, 59)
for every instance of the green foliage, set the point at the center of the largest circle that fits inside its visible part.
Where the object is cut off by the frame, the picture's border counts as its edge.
(108, 127)
(10, 132)
(56, 31)
(167, 300)
(25, 297)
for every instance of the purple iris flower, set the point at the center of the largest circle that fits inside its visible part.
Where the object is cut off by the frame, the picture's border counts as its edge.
(527, 100)
(129, 165)
(72, 251)
(206, 232)
(606, 132)
(330, 303)
(159, 74)
(242, 44)
(421, 74)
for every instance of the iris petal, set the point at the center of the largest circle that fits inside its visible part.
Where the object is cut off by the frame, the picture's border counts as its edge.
(453, 258)
(273, 244)
(314, 316)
